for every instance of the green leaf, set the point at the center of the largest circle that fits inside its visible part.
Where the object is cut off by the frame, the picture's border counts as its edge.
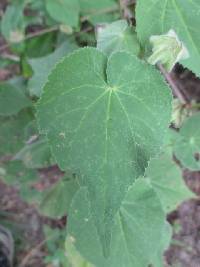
(64, 11)
(73, 257)
(12, 134)
(12, 100)
(56, 200)
(165, 240)
(166, 178)
(98, 11)
(156, 17)
(117, 36)
(104, 122)
(138, 226)
(40, 46)
(36, 155)
(13, 25)
(187, 146)
(14, 173)
(43, 66)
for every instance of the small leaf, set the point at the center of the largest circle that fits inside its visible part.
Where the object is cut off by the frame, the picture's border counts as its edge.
(56, 200)
(104, 122)
(12, 100)
(64, 11)
(43, 66)
(12, 133)
(167, 49)
(96, 11)
(117, 36)
(13, 24)
(166, 178)
(36, 155)
(16, 174)
(138, 227)
(187, 146)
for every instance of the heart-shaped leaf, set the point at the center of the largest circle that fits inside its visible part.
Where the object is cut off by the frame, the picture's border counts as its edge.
(104, 120)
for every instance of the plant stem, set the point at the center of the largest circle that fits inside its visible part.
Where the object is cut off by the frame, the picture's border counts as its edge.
(126, 12)
(32, 35)
(172, 84)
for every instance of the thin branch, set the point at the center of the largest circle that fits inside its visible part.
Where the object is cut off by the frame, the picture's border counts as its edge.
(32, 35)
(172, 84)
(35, 250)
(126, 11)
(105, 11)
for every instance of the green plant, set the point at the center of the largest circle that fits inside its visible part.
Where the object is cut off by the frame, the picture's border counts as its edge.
(103, 115)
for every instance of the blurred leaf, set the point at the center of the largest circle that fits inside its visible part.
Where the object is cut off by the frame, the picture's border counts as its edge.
(12, 100)
(36, 155)
(40, 46)
(43, 66)
(12, 134)
(57, 199)
(187, 146)
(64, 11)
(13, 25)
(99, 11)
(166, 179)
(117, 36)
(16, 174)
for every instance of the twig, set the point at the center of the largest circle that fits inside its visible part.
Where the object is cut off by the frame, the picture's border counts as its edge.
(124, 5)
(32, 35)
(35, 250)
(172, 84)
(105, 11)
